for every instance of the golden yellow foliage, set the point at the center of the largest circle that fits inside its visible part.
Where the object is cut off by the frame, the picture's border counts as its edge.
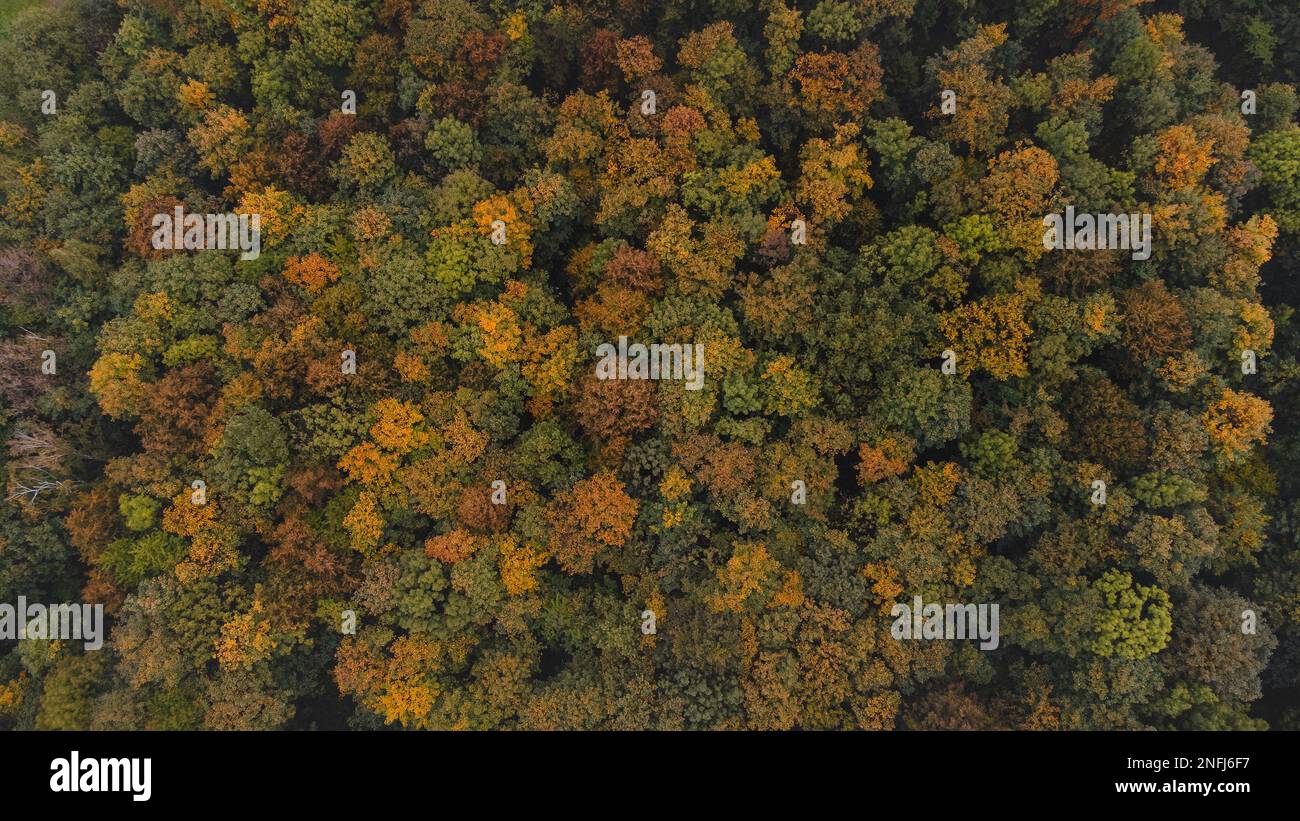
(675, 485)
(1237, 421)
(396, 426)
(115, 382)
(245, 639)
(745, 573)
(364, 523)
(991, 334)
(519, 565)
(195, 94)
(278, 209)
(1183, 158)
(791, 592)
(366, 464)
(518, 231)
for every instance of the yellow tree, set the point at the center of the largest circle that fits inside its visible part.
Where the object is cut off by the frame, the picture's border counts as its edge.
(1235, 422)
(991, 334)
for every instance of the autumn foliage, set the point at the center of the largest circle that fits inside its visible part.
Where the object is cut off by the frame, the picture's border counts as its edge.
(372, 477)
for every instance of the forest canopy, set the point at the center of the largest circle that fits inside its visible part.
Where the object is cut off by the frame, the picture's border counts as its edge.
(433, 453)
